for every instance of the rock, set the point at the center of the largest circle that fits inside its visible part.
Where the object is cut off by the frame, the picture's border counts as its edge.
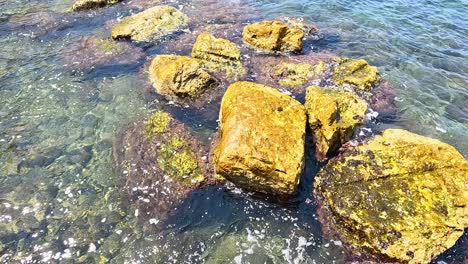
(92, 52)
(160, 162)
(151, 24)
(298, 22)
(400, 197)
(273, 36)
(218, 54)
(178, 77)
(81, 5)
(261, 141)
(296, 74)
(333, 116)
(356, 72)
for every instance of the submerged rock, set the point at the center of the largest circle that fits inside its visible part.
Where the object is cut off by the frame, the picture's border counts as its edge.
(81, 5)
(178, 77)
(300, 23)
(93, 51)
(218, 54)
(151, 24)
(400, 197)
(356, 72)
(273, 36)
(261, 144)
(160, 162)
(292, 72)
(333, 116)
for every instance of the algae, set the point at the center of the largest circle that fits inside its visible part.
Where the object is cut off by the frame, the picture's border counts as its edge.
(356, 72)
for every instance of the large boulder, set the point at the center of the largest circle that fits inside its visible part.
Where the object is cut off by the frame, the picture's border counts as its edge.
(333, 116)
(151, 24)
(218, 54)
(294, 75)
(177, 77)
(261, 141)
(273, 36)
(356, 72)
(81, 5)
(400, 197)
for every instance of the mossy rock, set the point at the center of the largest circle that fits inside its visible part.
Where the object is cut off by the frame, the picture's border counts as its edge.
(82, 5)
(178, 77)
(399, 197)
(293, 75)
(333, 117)
(161, 162)
(151, 24)
(218, 55)
(273, 36)
(356, 72)
(261, 142)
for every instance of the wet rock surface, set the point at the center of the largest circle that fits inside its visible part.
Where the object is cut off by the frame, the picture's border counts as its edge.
(82, 5)
(273, 36)
(159, 162)
(94, 52)
(151, 24)
(261, 144)
(400, 197)
(179, 77)
(333, 116)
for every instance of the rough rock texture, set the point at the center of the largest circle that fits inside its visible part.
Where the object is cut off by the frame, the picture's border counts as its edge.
(93, 51)
(81, 5)
(333, 116)
(158, 160)
(151, 24)
(356, 72)
(261, 145)
(296, 74)
(273, 36)
(400, 197)
(179, 77)
(218, 54)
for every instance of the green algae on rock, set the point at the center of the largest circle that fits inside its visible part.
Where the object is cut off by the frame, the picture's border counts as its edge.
(296, 74)
(81, 5)
(273, 36)
(400, 196)
(179, 77)
(333, 116)
(159, 155)
(218, 54)
(356, 72)
(151, 24)
(261, 142)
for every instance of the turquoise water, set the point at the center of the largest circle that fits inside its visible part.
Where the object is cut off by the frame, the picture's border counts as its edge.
(59, 200)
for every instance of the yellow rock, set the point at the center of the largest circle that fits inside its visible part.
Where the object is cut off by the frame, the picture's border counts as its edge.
(356, 72)
(218, 55)
(261, 146)
(400, 196)
(273, 36)
(296, 74)
(333, 116)
(81, 5)
(151, 24)
(178, 77)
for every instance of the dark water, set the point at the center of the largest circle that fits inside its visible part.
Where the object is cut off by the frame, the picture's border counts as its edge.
(58, 199)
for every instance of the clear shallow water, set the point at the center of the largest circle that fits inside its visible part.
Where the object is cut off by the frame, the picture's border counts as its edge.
(58, 197)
